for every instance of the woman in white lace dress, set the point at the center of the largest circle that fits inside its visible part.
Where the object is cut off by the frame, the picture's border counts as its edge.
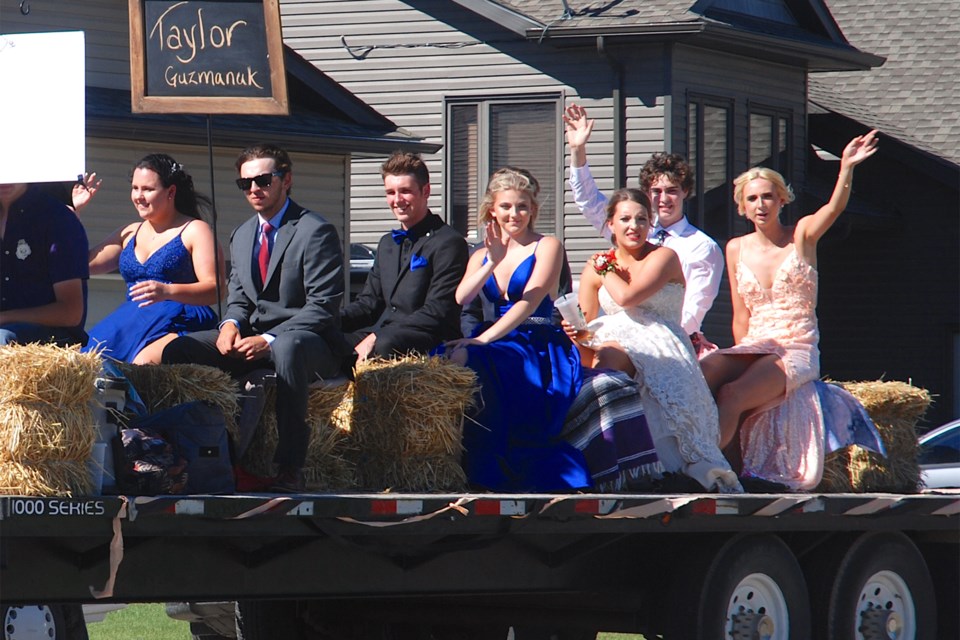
(640, 287)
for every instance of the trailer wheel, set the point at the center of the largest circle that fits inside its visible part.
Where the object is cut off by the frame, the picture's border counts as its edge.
(34, 621)
(882, 591)
(751, 588)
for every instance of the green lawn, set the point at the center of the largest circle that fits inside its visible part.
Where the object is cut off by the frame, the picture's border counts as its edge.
(139, 622)
(150, 622)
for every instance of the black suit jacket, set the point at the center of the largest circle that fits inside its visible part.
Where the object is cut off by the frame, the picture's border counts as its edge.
(305, 278)
(418, 297)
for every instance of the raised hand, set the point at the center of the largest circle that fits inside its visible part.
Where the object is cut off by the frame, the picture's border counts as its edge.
(495, 244)
(859, 149)
(83, 192)
(577, 126)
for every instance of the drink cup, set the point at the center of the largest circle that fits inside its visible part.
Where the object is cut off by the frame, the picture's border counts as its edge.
(569, 308)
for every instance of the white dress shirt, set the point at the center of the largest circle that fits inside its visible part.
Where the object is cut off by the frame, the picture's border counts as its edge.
(700, 257)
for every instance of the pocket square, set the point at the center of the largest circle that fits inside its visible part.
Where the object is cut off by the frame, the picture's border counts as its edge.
(416, 262)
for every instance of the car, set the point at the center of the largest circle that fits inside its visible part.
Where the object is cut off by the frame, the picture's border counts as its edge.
(361, 262)
(940, 456)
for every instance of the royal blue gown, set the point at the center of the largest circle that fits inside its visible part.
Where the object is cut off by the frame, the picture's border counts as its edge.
(126, 331)
(528, 379)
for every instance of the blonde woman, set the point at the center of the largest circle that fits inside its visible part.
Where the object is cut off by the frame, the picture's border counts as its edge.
(528, 370)
(773, 276)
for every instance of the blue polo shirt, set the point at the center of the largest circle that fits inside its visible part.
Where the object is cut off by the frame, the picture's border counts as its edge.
(43, 244)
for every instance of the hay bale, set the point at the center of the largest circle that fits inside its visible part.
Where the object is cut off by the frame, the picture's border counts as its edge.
(895, 407)
(407, 423)
(59, 376)
(162, 386)
(41, 432)
(61, 478)
(328, 467)
(398, 426)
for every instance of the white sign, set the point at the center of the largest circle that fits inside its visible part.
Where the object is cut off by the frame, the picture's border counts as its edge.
(42, 124)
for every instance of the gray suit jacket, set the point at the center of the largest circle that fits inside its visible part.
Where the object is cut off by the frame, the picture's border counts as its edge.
(305, 279)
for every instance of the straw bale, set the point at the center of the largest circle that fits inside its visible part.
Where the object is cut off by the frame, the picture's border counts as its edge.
(895, 407)
(407, 422)
(42, 432)
(398, 426)
(60, 376)
(327, 466)
(162, 386)
(66, 478)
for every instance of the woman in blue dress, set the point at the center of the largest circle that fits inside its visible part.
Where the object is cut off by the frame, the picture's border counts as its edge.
(528, 370)
(167, 261)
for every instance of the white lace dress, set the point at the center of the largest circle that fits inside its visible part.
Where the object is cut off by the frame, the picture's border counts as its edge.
(680, 411)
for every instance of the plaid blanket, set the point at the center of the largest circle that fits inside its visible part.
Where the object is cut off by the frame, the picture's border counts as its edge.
(606, 423)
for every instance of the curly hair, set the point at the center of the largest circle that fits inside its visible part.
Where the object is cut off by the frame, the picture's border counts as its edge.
(784, 192)
(281, 159)
(671, 165)
(186, 200)
(504, 180)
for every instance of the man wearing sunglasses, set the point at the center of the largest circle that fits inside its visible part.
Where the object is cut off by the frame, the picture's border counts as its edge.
(408, 302)
(283, 303)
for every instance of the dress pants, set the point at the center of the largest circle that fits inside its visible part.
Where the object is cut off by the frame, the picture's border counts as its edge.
(298, 357)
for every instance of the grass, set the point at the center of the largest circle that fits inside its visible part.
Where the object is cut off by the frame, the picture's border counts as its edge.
(139, 622)
(151, 622)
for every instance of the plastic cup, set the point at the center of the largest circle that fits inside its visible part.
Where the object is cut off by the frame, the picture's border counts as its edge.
(569, 308)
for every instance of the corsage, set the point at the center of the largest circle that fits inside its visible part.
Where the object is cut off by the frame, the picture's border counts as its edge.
(604, 263)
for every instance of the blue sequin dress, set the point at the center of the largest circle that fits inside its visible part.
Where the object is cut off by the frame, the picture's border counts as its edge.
(126, 331)
(528, 378)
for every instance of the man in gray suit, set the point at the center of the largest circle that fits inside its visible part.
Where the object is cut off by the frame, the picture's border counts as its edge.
(286, 287)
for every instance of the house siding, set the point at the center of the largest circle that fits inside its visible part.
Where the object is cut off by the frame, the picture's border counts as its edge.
(425, 52)
(321, 182)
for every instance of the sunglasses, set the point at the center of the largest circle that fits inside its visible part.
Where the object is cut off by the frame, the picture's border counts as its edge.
(263, 180)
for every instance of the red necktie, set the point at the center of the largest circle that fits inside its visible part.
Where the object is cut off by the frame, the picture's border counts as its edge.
(264, 256)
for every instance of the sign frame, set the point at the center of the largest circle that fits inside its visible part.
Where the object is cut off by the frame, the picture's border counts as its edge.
(276, 104)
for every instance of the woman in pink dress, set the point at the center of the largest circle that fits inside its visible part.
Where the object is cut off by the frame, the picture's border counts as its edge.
(760, 383)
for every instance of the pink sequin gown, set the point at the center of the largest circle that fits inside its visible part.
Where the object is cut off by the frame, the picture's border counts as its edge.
(784, 440)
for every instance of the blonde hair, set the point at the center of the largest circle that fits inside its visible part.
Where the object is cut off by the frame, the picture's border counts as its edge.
(784, 192)
(504, 180)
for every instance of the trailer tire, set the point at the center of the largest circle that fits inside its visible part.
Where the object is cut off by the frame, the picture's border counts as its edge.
(30, 620)
(882, 584)
(751, 586)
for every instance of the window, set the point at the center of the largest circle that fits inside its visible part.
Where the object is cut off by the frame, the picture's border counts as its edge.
(709, 137)
(770, 140)
(484, 135)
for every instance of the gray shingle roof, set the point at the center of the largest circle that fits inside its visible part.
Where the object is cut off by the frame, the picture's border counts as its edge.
(598, 12)
(915, 96)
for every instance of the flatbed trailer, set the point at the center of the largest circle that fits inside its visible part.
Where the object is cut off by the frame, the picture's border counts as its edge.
(384, 565)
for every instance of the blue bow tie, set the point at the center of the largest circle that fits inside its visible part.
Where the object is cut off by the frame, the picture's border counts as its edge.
(399, 235)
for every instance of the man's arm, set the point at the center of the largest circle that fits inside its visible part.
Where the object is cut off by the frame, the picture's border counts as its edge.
(589, 200)
(65, 311)
(239, 306)
(703, 271)
(323, 277)
(366, 309)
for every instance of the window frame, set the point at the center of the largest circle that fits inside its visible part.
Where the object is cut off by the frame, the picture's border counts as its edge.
(695, 140)
(483, 103)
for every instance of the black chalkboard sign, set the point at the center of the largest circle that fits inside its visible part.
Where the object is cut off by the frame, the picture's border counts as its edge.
(206, 56)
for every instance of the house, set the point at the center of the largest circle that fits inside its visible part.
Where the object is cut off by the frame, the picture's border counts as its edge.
(326, 128)
(890, 292)
(724, 82)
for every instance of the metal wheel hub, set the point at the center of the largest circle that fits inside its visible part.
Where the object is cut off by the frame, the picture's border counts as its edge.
(885, 609)
(29, 623)
(757, 610)
(751, 625)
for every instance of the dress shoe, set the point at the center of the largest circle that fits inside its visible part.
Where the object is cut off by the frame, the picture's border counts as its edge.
(289, 480)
